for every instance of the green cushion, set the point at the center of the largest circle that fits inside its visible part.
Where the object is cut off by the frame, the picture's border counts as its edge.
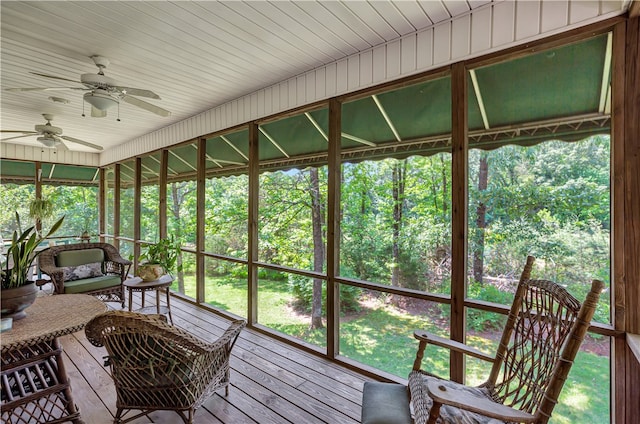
(385, 403)
(90, 284)
(79, 257)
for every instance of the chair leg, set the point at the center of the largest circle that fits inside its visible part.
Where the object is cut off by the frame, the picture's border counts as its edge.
(434, 413)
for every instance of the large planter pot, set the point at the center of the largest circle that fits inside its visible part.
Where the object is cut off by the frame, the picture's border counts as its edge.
(150, 272)
(15, 301)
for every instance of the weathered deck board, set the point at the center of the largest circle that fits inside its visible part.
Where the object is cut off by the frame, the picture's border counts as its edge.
(272, 382)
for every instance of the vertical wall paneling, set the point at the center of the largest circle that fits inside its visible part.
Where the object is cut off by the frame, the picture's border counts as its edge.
(35, 153)
(301, 94)
(261, 108)
(442, 43)
(555, 14)
(408, 54)
(503, 23)
(424, 49)
(321, 83)
(608, 6)
(291, 92)
(527, 19)
(366, 68)
(353, 72)
(310, 87)
(283, 96)
(393, 59)
(253, 107)
(378, 63)
(481, 30)
(330, 78)
(341, 76)
(460, 37)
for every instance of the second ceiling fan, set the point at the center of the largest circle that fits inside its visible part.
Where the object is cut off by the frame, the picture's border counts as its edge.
(103, 92)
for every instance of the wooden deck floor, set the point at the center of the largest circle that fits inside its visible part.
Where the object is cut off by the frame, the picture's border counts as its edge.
(271, 381)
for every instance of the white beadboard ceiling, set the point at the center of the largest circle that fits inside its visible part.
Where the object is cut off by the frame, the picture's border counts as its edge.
(195, 55)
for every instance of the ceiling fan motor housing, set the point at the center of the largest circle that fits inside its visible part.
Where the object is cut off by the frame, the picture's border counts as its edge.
(48, 129)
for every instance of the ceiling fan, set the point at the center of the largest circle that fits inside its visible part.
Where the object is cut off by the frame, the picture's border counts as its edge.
(49, 135)
(102, 92)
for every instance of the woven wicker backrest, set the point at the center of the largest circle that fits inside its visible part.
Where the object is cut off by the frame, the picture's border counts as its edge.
(156, 365)
(548, 329)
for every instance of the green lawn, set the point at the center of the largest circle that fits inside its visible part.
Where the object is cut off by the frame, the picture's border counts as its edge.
(380, 335)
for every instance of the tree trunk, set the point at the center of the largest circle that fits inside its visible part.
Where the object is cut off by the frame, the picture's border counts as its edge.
(175, 210)
(398, 180)
(317, 218)
(481, 223)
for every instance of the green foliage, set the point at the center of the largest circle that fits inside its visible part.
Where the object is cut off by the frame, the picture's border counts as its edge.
(483, 320)
(40, 209)
(302, 290)
(164, 253)
(21, 253)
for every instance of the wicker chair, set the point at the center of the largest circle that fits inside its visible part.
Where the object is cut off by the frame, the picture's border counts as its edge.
(156, 366)
(107, 287)
(543, 333)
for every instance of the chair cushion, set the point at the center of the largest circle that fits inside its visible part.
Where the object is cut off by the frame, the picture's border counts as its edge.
(72, 273)
(422, 403)
(79, 257)
(91, 284)
(385, 403)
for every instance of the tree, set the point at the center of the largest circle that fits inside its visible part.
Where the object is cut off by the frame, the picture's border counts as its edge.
(318, 223)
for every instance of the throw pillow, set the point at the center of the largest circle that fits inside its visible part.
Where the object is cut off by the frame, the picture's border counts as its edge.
(72, 273)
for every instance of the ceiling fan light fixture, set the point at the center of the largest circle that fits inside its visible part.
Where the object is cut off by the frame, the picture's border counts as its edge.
(47, 141)
(101, 101)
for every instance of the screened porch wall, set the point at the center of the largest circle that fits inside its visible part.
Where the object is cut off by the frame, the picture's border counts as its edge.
(497, 26)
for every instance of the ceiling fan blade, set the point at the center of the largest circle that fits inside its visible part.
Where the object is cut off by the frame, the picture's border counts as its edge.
(54, 77)
(18, 131)
(97, 113)
(139, 92)
(78, 141)
(146, 106)
(19, 136)
(44, 88)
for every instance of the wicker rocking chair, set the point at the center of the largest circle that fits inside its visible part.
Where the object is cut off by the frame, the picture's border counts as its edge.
(156, 366)
(543, 333)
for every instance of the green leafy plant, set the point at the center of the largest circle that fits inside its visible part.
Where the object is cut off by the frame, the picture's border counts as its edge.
(21, 253)
(164, 253)
(40, 209)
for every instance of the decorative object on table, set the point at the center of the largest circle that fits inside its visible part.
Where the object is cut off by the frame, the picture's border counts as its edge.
(18, 291)
(156, 366)
(85, 237)
(158, 259)
(541, 338)
(89, 268)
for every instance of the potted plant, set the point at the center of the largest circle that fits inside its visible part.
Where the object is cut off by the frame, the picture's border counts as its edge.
(159, 258)
(18, 291)
(39, 210)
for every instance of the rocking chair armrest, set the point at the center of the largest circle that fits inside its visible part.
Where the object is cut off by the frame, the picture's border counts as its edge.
(451, 344)
(464, 400)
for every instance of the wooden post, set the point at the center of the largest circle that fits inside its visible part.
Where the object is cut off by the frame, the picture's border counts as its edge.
(333, 229)
(254, 189)
(200, 237)
(459, 198)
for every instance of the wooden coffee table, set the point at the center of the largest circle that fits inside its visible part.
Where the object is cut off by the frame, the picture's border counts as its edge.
(136, 284)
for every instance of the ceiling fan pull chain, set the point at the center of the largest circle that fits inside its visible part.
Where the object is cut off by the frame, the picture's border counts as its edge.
(118, 120)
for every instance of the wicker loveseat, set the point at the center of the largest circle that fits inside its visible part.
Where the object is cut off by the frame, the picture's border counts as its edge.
(90, 268)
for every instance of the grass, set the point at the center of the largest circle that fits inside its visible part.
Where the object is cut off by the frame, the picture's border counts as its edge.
(381, 336)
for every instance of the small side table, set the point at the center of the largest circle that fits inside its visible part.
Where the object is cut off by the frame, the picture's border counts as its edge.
(136, 284)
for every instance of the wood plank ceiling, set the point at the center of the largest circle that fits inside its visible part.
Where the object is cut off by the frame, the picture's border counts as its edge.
(194, 55)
